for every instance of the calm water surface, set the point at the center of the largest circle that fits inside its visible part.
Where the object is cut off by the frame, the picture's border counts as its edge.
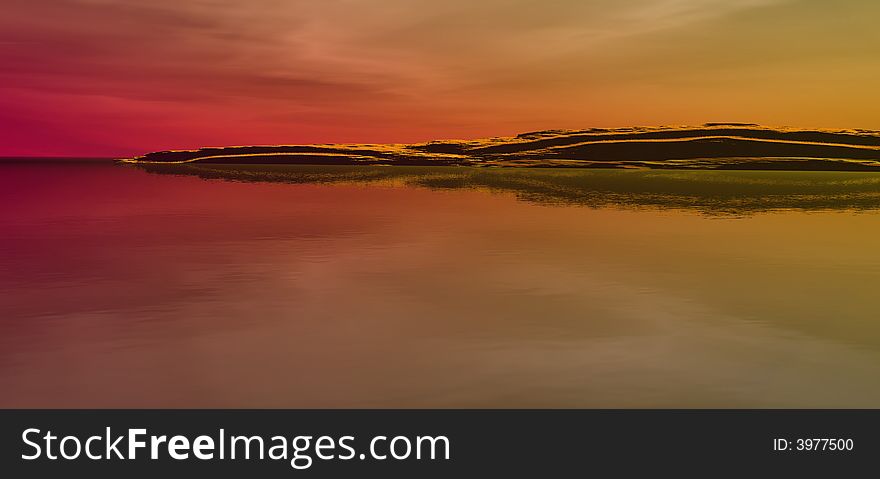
(385, 287)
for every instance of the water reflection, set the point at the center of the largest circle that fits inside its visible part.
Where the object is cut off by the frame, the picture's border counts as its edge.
(351, 287)
(709, 192)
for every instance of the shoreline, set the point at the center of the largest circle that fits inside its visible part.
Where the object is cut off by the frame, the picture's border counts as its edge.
(711, 146)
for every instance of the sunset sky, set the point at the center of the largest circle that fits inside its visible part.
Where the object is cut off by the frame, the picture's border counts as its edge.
(116, 78)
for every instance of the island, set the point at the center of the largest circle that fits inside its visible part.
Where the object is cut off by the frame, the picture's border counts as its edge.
(724, 146)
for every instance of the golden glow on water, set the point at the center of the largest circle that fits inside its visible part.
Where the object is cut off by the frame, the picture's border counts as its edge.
(160, 290)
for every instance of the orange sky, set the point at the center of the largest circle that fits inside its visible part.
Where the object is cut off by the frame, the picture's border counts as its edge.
(113, 78)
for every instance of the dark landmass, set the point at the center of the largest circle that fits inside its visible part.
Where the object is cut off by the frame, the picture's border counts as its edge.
(721, 146)
(716, 193)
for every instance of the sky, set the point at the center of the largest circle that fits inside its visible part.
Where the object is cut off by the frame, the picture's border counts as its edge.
(125, 77)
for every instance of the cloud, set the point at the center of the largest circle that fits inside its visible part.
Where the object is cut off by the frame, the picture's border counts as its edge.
(273, 47)
(409, 69)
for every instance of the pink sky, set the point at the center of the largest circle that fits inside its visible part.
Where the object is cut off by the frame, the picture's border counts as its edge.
(118, 78)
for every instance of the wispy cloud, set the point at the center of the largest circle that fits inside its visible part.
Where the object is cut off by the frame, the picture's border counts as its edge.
(303, 46)
(353, 69)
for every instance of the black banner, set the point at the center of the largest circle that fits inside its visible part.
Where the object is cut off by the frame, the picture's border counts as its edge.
(436, 443)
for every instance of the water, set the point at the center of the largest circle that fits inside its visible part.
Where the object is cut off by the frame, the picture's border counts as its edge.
(429, 287)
